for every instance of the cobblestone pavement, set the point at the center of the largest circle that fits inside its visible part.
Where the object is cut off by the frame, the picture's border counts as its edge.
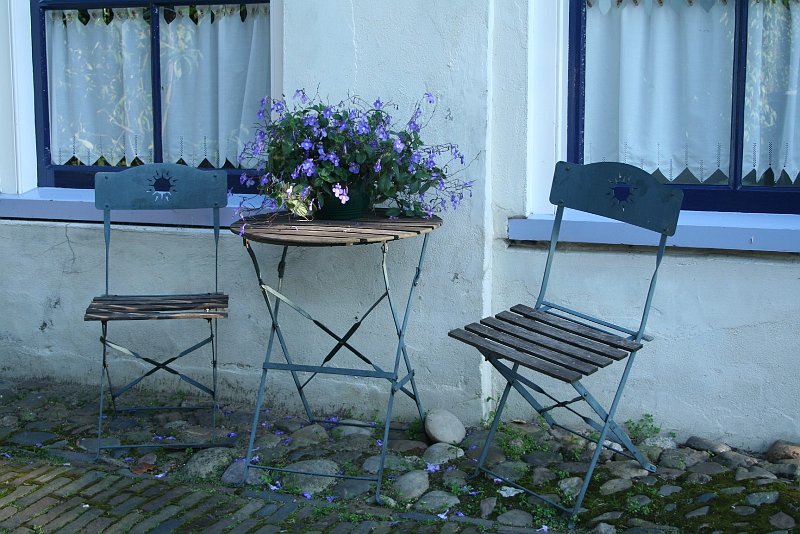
(50, 481)
(39, 496)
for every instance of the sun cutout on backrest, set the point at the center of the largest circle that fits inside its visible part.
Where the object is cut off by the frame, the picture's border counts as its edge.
(162, 186)
(621, 192)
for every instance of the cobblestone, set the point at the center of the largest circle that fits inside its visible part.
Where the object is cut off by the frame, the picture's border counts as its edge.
(75, 494)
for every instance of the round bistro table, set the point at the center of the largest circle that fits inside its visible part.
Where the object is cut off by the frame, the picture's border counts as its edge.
(374, 229)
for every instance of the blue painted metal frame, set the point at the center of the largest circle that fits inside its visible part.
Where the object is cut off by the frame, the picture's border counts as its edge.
(398, 382)
(157, 186)
(731, 198)
(648, 204)
(82, 177)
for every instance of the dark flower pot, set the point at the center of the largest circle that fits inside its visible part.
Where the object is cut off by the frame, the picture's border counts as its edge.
(355, 208)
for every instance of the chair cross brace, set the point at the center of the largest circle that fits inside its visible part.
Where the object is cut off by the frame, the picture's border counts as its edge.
(156, 366)
(398, 382)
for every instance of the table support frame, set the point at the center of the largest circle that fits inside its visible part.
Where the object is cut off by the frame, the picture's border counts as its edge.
(398, 383)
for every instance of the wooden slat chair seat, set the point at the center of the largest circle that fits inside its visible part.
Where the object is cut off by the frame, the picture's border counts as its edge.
(144, 307)
(546, 343)
(158, 187)
(566, 344)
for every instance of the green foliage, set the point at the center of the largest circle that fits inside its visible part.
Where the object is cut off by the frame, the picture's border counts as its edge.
(416, 430)
(516, 443)
(642, 429)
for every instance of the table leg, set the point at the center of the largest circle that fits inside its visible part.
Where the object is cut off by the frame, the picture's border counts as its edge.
(275, 330)
(400, 329)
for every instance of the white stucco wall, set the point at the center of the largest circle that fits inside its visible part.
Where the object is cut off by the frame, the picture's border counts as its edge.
(724, 361)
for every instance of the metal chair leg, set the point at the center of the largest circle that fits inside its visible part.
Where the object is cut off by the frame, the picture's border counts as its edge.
(103, 370)
(493, 428)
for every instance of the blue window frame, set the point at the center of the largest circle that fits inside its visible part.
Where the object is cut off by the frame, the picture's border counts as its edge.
(81, 176)
(730, 197)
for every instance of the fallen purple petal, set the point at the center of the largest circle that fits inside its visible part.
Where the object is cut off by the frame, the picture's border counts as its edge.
(161, 475)
(307, 495)
(232, 434)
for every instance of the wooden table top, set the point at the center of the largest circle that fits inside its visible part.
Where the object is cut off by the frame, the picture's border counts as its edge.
(279, 229)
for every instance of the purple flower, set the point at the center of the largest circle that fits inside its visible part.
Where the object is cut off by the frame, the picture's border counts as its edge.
(307, 495)
(304, 192)
(306, 144)
(413, 126)
(378, 104)
(243, 178)
(382, 133)
(255, 459)
(276, 486)
(278, 107)
(416, 157)
(327, 112)
(379, 442)
(310, 120)
(354, 168)
(330, 498)
(334, 159)
(377, 166)
(431, 468)
(362, 127)
(398, 145)
(497, 480)
(308, 167)
(332, 419)
(431, 100)
(301, 94)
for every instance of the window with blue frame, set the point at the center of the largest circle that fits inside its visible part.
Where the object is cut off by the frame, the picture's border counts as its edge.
(703, 93)
(122, 83)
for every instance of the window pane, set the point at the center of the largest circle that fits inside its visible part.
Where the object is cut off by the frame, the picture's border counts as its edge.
(98, 70)
(214, 71)
(771, 116)
(659, 85)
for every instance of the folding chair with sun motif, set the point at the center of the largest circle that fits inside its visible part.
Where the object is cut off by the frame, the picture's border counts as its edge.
(566, 344)
(158, 187)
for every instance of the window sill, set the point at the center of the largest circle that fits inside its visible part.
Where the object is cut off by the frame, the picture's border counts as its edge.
(59, 204)
(696, 229)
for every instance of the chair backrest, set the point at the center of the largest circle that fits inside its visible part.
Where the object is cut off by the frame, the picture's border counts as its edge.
(617, 191)
(161, 186)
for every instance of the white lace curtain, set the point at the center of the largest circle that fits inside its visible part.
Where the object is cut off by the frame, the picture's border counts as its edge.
(659, 87)
(214, 70)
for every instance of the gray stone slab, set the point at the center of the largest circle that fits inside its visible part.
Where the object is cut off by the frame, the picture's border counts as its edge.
(32, 438)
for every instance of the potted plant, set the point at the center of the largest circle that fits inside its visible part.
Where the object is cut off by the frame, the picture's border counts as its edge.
(338, 160)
